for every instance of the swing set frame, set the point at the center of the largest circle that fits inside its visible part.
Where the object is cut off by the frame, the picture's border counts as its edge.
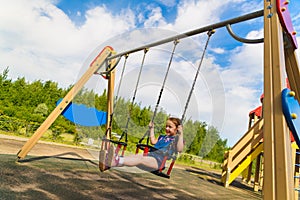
(279, 55)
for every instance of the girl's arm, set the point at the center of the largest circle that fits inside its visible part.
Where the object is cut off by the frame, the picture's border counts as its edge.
(153, 139)
(180, 144)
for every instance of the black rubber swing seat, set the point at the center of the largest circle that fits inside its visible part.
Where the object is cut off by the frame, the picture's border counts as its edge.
(146, 146)
(115, 142)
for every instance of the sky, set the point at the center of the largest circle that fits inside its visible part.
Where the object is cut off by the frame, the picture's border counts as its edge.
(57, 39)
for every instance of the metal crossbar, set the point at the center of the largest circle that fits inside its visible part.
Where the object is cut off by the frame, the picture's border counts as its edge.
(236, 20)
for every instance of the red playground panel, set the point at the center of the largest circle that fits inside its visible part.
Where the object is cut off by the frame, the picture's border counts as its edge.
(286, 21)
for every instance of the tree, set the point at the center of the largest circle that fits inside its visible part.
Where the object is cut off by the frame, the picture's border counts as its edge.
(41, 109)
(26, 105)
(196, 144)
(4, 75)
(217, 152)
(213, 147)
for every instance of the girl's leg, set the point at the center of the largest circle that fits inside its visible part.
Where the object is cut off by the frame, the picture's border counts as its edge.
(135, 160)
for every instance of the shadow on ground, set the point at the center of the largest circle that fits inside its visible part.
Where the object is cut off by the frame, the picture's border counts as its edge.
(56, 177)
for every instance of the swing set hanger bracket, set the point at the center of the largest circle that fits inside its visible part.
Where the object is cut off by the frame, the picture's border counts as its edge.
(240, 39)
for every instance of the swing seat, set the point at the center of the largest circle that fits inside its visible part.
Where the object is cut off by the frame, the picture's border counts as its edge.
(159, 172)
(118, 143)
(145, 148)
(107, 145)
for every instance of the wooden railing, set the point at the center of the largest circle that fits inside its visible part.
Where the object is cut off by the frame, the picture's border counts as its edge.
(239, 152)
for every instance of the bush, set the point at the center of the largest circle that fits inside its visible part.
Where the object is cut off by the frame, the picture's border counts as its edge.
(186, 158)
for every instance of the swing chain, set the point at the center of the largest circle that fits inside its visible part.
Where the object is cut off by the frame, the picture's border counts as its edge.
(209, 33)
(174, 142)
(134, 95)
(176, 41)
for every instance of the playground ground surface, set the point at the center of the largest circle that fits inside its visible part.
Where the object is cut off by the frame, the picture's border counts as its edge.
(52, 171)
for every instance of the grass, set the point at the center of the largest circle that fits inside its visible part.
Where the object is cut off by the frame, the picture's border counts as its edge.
(65, 138)
(190, 160)
(205, 165)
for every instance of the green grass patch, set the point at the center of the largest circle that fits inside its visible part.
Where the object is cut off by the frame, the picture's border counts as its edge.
(184, 159)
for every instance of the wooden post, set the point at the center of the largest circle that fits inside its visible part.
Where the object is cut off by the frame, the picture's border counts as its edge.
(296, 172)
(247, 173)
(110, 99)
(224, 167)
(228, 169)
(293, 71)
(277, 148)
(110, 107)
(261, 177)
(95, 65)
(257, 173)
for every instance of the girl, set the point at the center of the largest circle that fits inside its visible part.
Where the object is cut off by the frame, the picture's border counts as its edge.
(154, 159)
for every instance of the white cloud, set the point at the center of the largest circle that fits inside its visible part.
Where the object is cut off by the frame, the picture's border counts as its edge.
(243, 85)
(194, 14)
(48, 38)
(218, 50)
(155, 18)
(39, 41)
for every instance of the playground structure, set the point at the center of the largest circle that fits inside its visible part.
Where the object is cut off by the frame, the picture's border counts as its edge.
(239, 159)
(279, 56)
(269, 136)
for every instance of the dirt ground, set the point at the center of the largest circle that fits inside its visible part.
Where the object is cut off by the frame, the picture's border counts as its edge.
(52, 171)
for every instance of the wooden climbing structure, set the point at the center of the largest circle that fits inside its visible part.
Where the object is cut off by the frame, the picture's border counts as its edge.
(270, 135)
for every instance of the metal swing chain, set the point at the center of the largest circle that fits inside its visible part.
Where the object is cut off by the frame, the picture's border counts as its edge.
(121, 78)
(165, 79)
(172, 144)
(133, 98)
(209, 33)
(161, 90)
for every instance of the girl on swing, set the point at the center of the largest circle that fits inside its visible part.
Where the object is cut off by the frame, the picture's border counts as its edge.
(154, 159)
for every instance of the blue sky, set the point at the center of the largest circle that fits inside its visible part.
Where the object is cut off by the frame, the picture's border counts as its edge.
(56, 39)
(76, 10)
